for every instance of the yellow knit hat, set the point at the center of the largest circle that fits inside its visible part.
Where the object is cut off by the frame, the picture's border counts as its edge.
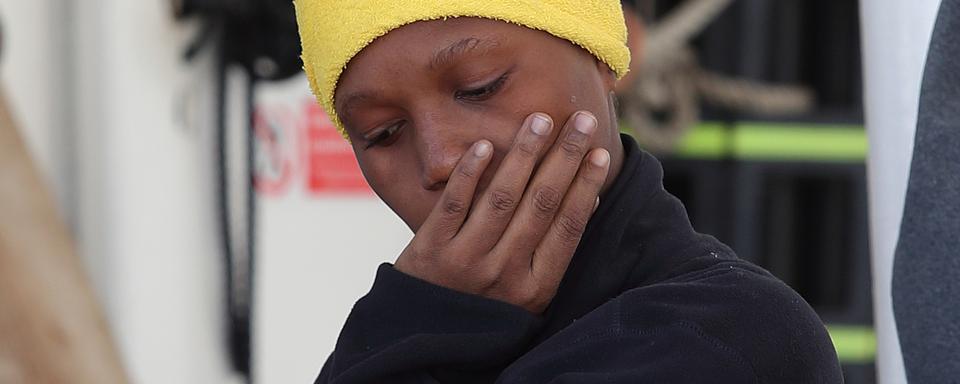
(332, 32)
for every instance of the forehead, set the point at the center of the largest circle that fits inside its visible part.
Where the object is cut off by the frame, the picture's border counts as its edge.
(427, 47)
(429, 44)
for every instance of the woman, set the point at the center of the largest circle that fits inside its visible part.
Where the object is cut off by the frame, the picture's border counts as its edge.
(545, 247)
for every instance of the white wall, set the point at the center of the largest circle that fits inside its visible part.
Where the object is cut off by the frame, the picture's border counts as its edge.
(146, 189)
(32, 75)
(896, 35)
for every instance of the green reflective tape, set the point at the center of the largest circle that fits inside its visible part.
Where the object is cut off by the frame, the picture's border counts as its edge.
(855, 344)
(799, 142)
(705, 141)
(755, 141)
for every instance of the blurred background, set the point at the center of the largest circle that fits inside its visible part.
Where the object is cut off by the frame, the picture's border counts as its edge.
(227, 230)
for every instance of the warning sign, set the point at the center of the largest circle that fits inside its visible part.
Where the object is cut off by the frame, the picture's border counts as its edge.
(330, 163)
(273, 130)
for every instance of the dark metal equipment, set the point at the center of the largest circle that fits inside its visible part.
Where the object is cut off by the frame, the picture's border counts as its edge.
(260, 37)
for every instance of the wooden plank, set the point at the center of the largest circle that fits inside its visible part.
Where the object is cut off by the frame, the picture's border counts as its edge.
(52, 329)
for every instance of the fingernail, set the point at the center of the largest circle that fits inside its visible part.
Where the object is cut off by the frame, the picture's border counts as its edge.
(585, 123)
(540, 125)
(597, 204)
(482, 149)
(600, 158)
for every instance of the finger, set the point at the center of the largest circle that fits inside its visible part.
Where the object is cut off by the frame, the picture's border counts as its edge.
(554, 252)
(546, 192)
(451, 210)
(493, 210)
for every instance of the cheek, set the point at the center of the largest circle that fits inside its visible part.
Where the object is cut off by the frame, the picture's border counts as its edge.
(560, 92)
(397, 183)
(585, 92)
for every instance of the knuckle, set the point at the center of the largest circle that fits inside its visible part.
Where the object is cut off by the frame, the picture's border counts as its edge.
(533, 297)
(487, 278)
(455, 264)
(593, 177)
(422, 256)
(572, 150)
(502, 201)
(546, 200)
(569, 227)
(527, 149)
(445, 231)
(454, 207)
(466, 171)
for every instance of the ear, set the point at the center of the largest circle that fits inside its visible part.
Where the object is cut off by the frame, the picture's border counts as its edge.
(613, 104)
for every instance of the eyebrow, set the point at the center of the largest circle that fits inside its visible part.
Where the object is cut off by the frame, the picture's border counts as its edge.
(444, 56)
(349, 102)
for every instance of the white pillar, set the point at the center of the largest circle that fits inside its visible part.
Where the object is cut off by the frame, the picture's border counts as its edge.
(32, 72)
(896, 35)
(144, 120)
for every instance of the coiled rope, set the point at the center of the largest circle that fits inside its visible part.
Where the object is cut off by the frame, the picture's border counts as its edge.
(662, 103)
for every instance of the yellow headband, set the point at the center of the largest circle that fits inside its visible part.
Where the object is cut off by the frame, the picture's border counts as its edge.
(332, 32)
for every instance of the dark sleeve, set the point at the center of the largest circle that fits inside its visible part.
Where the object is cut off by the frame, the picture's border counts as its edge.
(670, 357)
(406, 330)
(613, 352)
(732, 323)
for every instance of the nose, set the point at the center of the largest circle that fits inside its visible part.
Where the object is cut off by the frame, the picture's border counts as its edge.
(439, 150)
(437, 164)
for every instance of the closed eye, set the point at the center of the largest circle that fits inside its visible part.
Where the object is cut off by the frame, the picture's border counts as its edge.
(482, 93)
(383, 137)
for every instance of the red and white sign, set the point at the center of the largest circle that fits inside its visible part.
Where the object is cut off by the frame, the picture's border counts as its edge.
(296, 141)
(274, 136)
(331, 165)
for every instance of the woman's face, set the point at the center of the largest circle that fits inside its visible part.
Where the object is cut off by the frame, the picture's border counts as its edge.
(416, 99)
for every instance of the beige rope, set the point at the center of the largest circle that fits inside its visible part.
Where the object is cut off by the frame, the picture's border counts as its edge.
(663, 101)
